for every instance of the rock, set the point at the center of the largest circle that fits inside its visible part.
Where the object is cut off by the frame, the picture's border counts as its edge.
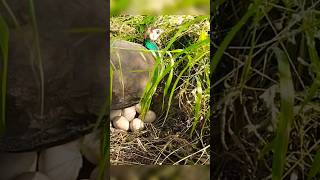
(61, 162)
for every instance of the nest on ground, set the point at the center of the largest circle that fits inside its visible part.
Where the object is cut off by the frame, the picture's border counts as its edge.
(163, 142)
(168, 141)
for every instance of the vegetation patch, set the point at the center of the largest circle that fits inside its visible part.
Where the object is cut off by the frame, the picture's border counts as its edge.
(179, 93)
(266, 86)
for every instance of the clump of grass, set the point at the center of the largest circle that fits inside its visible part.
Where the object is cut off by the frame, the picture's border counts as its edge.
(266, 81)
(180, 79)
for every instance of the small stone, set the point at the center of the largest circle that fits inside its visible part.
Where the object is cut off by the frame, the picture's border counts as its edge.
(121, 122)
(129, 113)
(136, 124)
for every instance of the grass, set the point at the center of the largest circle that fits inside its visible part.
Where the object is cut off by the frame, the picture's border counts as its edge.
(285, 116)
(266, 86)
(179, 92)
(38, 63)
(4, 46)
(197, 7)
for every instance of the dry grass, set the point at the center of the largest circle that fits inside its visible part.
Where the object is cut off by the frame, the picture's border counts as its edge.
(157, 144)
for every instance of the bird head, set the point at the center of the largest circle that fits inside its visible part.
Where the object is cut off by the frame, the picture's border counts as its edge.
(152, 33)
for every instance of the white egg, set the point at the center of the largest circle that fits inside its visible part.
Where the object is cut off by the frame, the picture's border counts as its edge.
(90, 147)
(150, 117)
(61, 162)
(114, 113)
(138, 108)
(121, 122)
(136, 124)
(129, 113)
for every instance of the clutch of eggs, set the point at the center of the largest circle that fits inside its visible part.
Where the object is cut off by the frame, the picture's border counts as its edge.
(125, 119)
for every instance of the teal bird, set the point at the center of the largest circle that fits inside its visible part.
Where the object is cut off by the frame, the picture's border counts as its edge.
(150, 36)
(151, 45)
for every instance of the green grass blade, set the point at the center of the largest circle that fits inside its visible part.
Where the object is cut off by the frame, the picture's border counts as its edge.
(247, 65)
(151, 88)
(315, 168)
(253, 8)
(190, 64)
(168, 82)
(285, 116)
(154, 82)
(105, 148)
(4, 45)
(197, 106)
(314, 57)
(181, 29)
(308, 24)
(172, 91)
(158, 76)
(38, 55)
(13, 17)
